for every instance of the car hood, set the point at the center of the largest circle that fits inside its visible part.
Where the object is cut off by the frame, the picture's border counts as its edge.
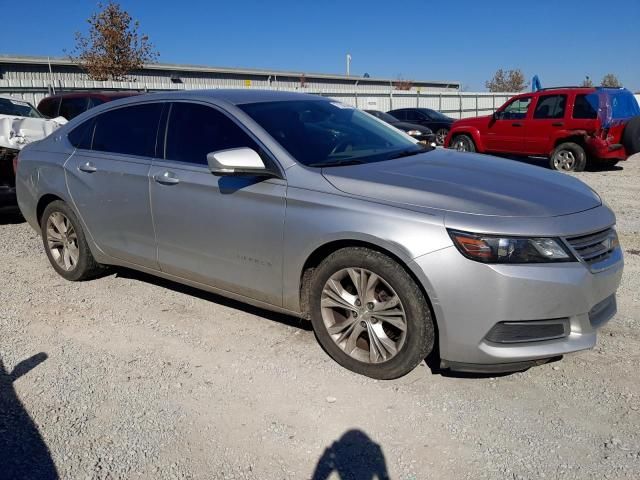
(473, 121)
(406, 126)
(466, 183)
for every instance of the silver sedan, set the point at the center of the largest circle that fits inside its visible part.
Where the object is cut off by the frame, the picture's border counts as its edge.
(303, 205)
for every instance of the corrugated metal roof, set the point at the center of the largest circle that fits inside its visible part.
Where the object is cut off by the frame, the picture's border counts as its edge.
(33, 60)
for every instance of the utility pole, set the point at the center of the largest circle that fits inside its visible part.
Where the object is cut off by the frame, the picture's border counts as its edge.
(348, 64)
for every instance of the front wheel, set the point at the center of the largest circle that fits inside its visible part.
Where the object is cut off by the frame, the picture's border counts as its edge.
(463, 143)
(568, 157)
(369, 315)
(441, 136)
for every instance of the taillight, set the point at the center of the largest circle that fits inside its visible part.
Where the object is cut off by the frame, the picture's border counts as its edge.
(15, 163)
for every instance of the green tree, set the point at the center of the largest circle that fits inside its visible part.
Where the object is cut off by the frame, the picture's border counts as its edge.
(113, 48)
(610, 80)
(507, 81)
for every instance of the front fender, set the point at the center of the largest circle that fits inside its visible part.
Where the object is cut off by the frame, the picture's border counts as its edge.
(473, 132)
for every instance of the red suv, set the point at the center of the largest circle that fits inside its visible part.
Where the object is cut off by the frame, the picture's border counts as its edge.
(570, 126)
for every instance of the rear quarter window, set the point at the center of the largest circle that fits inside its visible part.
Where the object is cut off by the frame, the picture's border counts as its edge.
(586, 106)
(81, 136)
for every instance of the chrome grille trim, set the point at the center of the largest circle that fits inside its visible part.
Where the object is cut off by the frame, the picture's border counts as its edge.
(593, 247)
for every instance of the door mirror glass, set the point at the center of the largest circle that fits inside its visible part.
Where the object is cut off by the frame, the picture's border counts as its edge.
(236, 161)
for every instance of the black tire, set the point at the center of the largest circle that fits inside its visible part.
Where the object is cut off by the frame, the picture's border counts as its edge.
(419, 334)
(463, 143)
(565, 151)
(441, 135)
(86, 266)
(631, 136)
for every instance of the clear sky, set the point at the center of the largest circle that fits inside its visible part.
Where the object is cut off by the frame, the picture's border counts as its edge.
(461, 40)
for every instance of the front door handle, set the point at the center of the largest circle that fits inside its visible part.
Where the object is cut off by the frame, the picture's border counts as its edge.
(557, 124)
(166, 178)
(88, 167)
(516, 124)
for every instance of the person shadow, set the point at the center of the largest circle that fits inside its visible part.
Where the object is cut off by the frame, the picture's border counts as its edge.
(353, 457)
(23, 452)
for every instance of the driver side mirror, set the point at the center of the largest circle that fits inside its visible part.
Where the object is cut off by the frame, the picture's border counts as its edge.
(498, 115)
(236, 161)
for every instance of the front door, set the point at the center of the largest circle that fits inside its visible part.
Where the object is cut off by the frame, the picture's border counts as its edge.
(108, 179)
(225, 232)
(505, 132)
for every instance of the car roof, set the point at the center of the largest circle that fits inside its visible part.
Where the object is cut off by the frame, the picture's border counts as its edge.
(95, 93)
(239, 96)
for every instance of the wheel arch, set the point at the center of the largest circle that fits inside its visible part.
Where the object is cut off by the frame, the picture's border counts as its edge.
(43, 201)
(578, 137)
(314, 259)
(474, 133)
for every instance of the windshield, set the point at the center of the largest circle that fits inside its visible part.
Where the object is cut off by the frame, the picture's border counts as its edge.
(435, 115)
(18, 108)
(385, 117)
(319, 133)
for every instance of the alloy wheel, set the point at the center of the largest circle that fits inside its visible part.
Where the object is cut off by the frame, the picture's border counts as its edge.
(441, 136)
(62, 241)
(564, 160)
(363, 315)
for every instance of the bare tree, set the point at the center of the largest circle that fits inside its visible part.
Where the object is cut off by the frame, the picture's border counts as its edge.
(587, 82)
(610, 80)
(113, 48)
(507, 81)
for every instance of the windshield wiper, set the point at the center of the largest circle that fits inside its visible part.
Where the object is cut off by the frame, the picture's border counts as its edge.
(406, 153)
(337, 163)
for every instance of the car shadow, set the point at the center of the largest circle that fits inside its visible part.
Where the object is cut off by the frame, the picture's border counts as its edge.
(282, 318)
(353, 457)
(23, 452)
(11, 216)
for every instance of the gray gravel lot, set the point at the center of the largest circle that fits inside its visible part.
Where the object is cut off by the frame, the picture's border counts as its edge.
(129, 376)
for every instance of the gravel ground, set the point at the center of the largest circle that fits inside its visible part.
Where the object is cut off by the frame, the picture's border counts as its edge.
(129, 376)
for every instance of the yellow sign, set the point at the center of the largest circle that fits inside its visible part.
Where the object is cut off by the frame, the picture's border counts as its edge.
(247, 83)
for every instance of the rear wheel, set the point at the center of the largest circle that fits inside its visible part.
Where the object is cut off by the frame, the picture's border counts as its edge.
(441, 135)
(65, 243)
(463, 143)
(369, 315)
(568, 157)
(631, 136)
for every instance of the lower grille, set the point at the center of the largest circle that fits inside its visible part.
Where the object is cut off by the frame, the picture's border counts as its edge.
(595, 246)
(532, 331)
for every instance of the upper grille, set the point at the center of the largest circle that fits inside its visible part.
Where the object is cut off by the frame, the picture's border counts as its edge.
(595, 246)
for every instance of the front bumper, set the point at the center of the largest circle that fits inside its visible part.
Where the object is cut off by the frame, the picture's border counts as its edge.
(470, 298)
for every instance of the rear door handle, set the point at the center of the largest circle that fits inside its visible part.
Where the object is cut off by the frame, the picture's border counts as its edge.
(557, 124)
(88, 167)
(516, 124)
(166, 178)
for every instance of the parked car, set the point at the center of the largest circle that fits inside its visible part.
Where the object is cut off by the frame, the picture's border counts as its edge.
(436, 121)
(570, 126)
(70, 105)
(420, 133)
(300, 204)
(20, 123)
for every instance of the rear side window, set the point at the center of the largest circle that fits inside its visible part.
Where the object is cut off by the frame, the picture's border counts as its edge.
(80, 137)
(550, 106)
(195, 130)
(586, 107)
(72, 107)
(49, 107)
(128, 130)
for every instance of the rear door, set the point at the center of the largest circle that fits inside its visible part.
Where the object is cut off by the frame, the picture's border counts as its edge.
(108, 179)
(220, 231)
(543, 126)
(505, 132)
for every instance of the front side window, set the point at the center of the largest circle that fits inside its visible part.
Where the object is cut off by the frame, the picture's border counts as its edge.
(195, 130)
(550, 107)
(128, 130)
(516, 110)
(321, 133)
(72, 107)
(49, 107)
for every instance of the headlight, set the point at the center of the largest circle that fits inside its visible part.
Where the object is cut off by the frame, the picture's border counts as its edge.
(414, 132)
(497, 249)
